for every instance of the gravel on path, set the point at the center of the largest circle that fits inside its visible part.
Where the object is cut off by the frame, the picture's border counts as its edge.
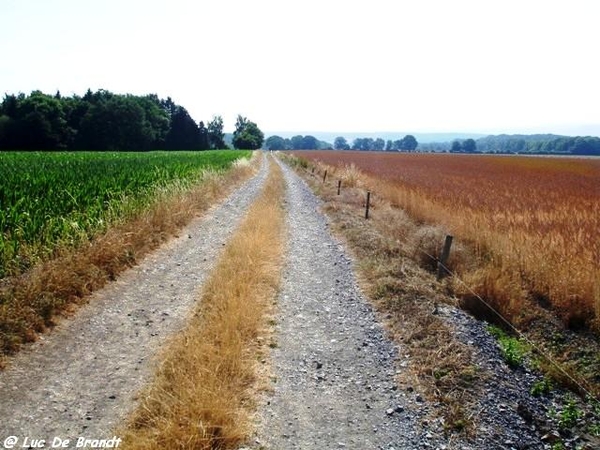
(334, 368)
(82, 378)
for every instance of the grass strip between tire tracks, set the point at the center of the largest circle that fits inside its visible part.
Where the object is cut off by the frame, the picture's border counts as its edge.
(202, 394)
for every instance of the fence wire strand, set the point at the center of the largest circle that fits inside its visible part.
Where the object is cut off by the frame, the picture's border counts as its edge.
(518, 332)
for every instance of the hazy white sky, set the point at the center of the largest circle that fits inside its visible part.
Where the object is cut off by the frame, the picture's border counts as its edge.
(322, 65)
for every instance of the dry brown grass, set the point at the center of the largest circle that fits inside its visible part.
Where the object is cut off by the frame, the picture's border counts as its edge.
(31, 302)
(201, 397)
(350, 176)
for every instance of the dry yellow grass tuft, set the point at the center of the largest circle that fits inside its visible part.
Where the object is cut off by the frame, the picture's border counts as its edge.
(201, 397)
(350, 175)
(30, 303)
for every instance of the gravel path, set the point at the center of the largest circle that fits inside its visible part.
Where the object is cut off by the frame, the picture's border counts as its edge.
(82, 378)
(333, 367)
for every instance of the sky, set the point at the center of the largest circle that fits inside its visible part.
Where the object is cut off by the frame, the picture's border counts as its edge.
(322, 65)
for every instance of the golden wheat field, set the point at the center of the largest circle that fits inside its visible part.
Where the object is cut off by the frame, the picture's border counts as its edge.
(533, 222)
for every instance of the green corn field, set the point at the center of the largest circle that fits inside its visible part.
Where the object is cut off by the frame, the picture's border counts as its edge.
(52, 199)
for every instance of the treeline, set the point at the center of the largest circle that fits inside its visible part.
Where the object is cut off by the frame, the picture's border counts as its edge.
(522, 144)
(540, 144)
(102, 120)
(298, 142)
(407, 143)
(456, 146)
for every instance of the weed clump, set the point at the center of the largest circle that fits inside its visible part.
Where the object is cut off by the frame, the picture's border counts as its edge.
(513, 349)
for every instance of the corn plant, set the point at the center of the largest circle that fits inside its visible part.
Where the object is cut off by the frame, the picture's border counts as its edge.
(48, 200)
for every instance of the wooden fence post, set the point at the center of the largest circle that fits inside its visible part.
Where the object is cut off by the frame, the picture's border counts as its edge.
(339, 186)
(368, 204)
(442, 271)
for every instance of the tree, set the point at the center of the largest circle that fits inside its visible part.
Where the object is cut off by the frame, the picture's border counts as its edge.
(389, 145)
(6, 127)
(247, 135)
(378, 144)
(216, 137)
(10, 104)
(324, 145)
(341, 143)
(75, 110)
(297, 142)
(310, 143)
(168, 106)
(203, 142)
(157, 119)
(469, 146)
(307, 142)
(363, 144)
(456, 147)
(408, 143)
(275, 143)
(119, 123)
(41, 123)
(8, 122)
(183, 133)
(133, 130)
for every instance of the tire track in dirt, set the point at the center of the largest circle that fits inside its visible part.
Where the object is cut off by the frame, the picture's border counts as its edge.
(82, 378)
(333, 369)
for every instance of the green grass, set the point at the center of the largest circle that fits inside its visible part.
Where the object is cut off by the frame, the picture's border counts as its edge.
(570, 414)
(513, 349)
(541, 387)
(52, 199)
